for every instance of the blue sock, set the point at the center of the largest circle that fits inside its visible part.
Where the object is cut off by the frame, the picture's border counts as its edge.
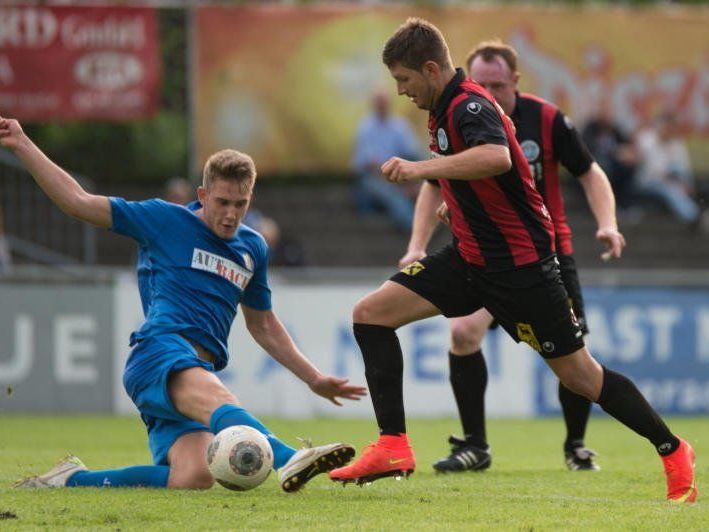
(136, 476)
(229, 415)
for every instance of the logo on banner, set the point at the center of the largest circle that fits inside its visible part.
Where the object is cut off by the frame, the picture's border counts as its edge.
(442, 139)
(229, 270)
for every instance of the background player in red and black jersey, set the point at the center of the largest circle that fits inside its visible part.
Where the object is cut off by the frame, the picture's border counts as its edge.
(547, 138)
(502, 259)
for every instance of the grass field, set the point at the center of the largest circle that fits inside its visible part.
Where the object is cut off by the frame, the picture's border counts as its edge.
(527, 487)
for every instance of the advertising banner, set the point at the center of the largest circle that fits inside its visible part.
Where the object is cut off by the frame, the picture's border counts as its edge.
(56, 351)
(63, 348)
(78, 63)
(288, 84)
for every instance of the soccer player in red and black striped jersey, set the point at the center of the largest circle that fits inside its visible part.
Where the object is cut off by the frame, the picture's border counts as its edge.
(502, 258)
(547, 138)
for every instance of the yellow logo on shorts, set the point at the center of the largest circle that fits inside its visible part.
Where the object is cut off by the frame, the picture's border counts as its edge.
(525, 333)
(413, 268)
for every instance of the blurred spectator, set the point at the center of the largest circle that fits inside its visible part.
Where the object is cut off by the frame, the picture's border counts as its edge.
(664, 172)
(179, 190)
(5, 257)
(614, 152)
(381, 136)
(284, 250)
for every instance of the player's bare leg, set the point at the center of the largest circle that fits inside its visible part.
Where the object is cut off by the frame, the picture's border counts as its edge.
(188, 462)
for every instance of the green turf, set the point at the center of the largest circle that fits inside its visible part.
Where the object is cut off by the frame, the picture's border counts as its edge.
(527, 487)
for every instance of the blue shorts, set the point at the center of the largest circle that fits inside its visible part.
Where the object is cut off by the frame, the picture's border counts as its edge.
(145, 379)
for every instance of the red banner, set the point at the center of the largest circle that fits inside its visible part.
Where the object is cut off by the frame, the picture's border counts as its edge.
(78, 63)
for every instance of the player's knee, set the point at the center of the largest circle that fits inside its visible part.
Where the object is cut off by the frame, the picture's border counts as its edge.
(464, 339)
(364, 312)
(580, 385)
(191, 479)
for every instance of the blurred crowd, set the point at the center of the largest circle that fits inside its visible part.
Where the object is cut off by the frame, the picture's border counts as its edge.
(650, 171)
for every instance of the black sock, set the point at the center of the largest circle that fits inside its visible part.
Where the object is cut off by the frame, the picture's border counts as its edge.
(468, 376)
(384, 370)
(622, 400)
(577, 410)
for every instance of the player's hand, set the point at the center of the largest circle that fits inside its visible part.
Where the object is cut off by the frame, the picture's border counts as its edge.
(614, 242)
(11, 134)
(333, 388)
(411, 256)
(398, 170)
(443, 213)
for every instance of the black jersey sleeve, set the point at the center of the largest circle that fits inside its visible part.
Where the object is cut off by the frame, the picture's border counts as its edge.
(478, 122)
(569, 149)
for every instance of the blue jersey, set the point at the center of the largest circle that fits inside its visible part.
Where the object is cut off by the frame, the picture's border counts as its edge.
(191, 281)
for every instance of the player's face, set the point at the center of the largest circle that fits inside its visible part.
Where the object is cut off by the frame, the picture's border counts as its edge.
(414, 84)
(498, 79)
(224, 205)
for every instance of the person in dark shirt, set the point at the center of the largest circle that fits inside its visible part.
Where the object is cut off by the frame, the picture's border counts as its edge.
(615, 153)
(547, 137)
(502, 258)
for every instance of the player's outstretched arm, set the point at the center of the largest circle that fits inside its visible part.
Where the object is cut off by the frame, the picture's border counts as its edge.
(478, 162)
(269, 333)
(601, 200)
(61, 188)
(425, 221)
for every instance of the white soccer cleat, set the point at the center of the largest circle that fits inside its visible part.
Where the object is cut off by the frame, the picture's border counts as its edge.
(55, 477)
(311, 461)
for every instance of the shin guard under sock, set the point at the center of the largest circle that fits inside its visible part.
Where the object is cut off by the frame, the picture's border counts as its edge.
(384, 370)
(622, 400)
(468, 378)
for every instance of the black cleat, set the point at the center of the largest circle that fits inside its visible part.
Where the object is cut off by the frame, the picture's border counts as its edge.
(464, 457)
(580, 458)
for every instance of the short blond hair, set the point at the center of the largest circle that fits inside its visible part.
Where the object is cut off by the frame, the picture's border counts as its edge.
(231, 165)
(488, 50)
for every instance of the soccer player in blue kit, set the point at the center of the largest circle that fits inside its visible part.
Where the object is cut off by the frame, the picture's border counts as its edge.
(197, 265)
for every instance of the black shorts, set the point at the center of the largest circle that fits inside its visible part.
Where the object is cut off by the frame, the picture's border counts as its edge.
(570, 277)
(531, 302)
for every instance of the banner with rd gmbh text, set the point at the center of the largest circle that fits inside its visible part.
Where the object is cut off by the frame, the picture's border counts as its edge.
(78, 63)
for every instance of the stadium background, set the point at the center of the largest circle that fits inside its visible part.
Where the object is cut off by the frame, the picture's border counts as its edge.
(288, 83)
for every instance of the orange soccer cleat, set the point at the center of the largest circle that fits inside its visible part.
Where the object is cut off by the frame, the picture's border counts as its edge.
(679, 470)
(389, 456)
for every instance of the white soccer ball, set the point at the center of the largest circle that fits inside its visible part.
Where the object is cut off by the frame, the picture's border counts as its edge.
(240, 458)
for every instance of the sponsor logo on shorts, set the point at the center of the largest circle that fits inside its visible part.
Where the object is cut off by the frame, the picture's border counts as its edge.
(525, 334)
(229, 270)
(413, 268)
(442, 139)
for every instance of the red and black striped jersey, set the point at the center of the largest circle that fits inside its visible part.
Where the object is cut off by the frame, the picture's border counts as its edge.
(499, 222)
(547, 138)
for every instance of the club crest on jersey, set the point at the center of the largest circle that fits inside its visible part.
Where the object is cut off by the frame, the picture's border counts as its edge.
(442, 139)
(229, 270)
(248, 261)
(413, 268)
(474, 108)
(531, 150)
